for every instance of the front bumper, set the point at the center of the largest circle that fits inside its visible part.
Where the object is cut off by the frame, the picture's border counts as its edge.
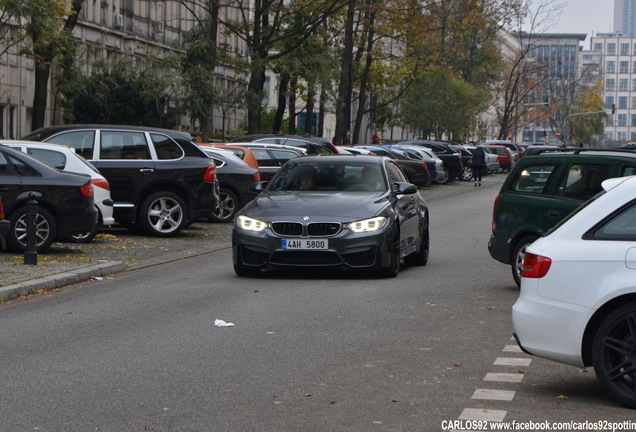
(347, 250)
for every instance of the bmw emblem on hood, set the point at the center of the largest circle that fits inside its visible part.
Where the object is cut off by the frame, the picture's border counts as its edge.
(305, 218)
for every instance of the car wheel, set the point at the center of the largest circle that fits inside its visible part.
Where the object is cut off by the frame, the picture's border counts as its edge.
(443, 177)
(45, 230)
(517, 257)
(162, 214)
(393, 268)
(420, 257)
(241, 270)
(86, 237)
(614, 354)
(227, 208)
(467, 173)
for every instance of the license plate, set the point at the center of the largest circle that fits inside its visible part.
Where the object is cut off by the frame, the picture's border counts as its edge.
(305, 244)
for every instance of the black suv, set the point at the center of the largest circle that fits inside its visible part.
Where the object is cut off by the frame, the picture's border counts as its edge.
(65, 202)
(313, 145)
(451, 157)
(541, 190)
(159, 178)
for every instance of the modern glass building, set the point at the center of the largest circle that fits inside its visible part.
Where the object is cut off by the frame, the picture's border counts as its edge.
(625, 17)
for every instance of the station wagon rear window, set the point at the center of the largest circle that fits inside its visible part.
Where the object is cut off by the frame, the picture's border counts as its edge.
(533, 179)
(82, 141)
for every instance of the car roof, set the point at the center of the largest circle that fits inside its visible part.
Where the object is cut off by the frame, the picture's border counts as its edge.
(585, 152)
(51, 130)
(299, 150)
(280, 135)
(340, 158)
(37, 144)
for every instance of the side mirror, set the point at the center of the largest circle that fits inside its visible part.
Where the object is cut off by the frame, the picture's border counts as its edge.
(401, 188)
(258, 187)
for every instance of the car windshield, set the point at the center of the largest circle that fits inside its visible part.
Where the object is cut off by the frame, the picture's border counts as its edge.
(345, 176)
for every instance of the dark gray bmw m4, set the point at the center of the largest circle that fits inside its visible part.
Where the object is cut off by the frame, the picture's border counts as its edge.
(350, 212)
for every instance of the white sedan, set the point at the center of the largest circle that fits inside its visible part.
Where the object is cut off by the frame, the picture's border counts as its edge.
(578, 291)
(65, 159)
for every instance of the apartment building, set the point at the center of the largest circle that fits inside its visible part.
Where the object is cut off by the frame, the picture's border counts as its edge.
(616, 55)
(117, 27)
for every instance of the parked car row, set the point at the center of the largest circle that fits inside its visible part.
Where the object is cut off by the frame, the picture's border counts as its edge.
(160, 182)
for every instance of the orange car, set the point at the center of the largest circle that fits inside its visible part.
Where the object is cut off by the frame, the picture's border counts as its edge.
(267, 158)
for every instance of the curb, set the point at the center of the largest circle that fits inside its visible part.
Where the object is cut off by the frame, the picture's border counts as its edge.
(60, 280)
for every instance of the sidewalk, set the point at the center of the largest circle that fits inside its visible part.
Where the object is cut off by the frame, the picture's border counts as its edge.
(112, 251)
(118, 249)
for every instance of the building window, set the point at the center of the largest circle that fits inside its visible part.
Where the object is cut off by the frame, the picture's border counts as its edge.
(610, 84)
(623, 67)
(611, 66)
(609, 135)
(621, 120)
(599, 47)
(611, 49)
(624, 49)
(609, 101)
(632, 136)
(621, 136)
(622, 102)
(633, 119)
(633, 101)
(623, 84)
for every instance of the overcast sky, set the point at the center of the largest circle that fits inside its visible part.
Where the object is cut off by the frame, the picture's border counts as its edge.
(586, 16)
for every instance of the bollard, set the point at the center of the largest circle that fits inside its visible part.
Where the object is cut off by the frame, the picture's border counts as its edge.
(30, 253)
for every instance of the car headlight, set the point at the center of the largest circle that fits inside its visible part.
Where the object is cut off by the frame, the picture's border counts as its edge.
(249, 224)
(373, 224)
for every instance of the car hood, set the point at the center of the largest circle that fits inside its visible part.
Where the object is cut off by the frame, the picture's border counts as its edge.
(292, 206)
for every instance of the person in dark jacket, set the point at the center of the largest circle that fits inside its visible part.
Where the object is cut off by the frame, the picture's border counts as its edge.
(479, 162)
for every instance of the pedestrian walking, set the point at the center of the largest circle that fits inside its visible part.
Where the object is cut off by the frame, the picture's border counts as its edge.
(477, 165)
(375, 139)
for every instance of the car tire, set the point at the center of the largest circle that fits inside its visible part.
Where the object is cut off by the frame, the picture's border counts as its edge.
(420, 257)
(444, 177)
(162, 214)
(467, 173)
(227, 208)
(86, 237)
(517, 257)
(393, 268)
(613, 354)
(46, 230)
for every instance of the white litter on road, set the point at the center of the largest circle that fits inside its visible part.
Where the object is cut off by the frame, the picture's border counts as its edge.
(221, 323)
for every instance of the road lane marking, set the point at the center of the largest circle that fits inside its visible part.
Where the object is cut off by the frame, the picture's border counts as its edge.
(488, 394)
(512, 361)
(504, 377)
(482, 414)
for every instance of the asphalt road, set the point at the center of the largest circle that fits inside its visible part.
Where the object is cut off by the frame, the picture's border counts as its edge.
(312, 351)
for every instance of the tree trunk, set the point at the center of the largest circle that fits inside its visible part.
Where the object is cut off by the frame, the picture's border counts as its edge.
(292, 105)
(309, 120)
(40, 94)
(345, 90)
(283, 85)
(255, 97)
(321, 112)
(362, 100)
(43, 71)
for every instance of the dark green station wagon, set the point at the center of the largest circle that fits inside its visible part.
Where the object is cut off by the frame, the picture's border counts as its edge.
(542, 190)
